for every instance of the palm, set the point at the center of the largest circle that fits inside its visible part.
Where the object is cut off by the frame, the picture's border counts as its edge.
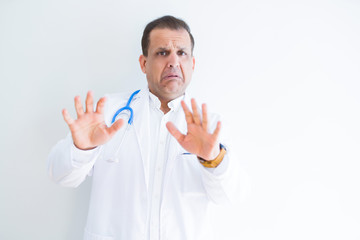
(197, 140)
(89, 129)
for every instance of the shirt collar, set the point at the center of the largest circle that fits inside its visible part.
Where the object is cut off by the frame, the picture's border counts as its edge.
(173, 104)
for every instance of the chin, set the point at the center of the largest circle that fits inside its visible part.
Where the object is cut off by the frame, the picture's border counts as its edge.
(175, 86)
(175, 94)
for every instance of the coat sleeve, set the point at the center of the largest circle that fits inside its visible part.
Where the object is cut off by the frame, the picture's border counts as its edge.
(222, 183)
(68, 165)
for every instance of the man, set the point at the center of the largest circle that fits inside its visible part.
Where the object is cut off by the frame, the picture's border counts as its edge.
(155, 171)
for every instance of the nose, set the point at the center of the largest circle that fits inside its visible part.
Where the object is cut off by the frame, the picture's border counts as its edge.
(173, 60)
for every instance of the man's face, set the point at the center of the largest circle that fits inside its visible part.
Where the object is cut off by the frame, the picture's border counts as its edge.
(169, 64)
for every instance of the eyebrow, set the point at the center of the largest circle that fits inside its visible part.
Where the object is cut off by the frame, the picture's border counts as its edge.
(162, 49)
(167, 49)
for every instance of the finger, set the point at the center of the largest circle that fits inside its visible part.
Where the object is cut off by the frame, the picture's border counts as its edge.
(89, 102)
(67, 117)
(204, 117)
(217, 130)
(188, 114)
(100, 105)
(78, 107)
(175, 132)
(196, 114)
(115, 127)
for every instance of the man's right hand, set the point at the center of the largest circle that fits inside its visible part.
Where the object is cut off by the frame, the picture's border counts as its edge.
(89, 129)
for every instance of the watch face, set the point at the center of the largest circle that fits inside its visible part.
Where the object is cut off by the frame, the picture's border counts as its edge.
(222, 147)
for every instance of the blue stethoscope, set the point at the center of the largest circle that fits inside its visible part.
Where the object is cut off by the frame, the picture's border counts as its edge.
(131, 118)
(127, 107)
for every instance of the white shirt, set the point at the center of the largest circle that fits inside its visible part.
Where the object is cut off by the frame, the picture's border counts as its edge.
(158, 155)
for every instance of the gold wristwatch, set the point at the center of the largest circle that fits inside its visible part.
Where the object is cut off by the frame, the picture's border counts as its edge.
(214, 163)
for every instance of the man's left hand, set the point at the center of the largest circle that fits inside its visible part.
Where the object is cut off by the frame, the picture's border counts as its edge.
(198, 140)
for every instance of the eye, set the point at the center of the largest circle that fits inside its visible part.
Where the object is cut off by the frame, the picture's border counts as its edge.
(181, 53)
(161, 53)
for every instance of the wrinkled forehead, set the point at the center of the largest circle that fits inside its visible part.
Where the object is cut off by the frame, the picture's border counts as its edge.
(169, 38)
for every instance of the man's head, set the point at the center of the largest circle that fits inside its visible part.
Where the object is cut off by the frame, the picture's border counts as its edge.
(167, 22)
(167, 58)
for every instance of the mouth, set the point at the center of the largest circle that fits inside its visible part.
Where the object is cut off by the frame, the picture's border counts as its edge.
(171, 76)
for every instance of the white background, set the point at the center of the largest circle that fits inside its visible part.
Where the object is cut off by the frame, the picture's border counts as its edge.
(284, 74)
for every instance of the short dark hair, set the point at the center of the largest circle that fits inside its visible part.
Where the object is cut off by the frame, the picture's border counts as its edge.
(169, 22)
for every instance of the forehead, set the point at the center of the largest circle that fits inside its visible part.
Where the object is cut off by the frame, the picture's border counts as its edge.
(165, 37)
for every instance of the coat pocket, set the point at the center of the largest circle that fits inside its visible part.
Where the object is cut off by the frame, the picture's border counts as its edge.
(187, 174)
(92, 236)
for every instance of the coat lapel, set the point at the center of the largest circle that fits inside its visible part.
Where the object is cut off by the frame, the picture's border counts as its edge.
(174, 147)
(141, 125)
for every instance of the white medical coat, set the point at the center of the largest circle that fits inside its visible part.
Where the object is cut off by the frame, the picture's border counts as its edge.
(119, 197)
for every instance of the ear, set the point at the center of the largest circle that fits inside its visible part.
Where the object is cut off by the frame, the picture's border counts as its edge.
(142, 61)
(193, 63)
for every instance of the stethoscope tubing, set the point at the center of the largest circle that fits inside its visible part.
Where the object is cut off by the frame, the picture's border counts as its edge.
(127, 107)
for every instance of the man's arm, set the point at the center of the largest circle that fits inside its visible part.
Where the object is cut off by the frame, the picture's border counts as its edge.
(73, 158)
(68, 165)
(218, 172)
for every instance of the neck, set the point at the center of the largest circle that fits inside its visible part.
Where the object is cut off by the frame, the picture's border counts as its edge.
(164, 101)
(164, 107)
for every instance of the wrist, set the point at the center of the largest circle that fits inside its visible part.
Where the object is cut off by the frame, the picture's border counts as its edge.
(83, 148)
(216, 161)
(215, 153)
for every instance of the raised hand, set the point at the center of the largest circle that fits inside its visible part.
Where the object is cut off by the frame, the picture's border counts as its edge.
(89, 129)
(198, 140)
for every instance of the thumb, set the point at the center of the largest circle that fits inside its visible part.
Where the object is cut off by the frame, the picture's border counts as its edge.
(174, 131)
(116, 126)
